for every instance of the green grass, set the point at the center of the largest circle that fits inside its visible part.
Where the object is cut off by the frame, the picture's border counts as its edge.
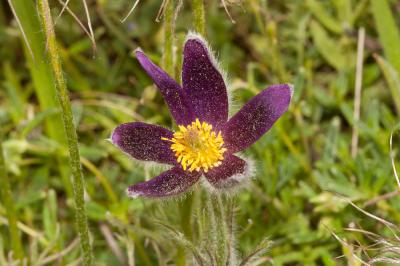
(305, 171)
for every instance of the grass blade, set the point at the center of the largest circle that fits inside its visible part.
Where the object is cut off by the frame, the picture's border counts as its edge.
(389, 35)
(7, 200)
(324, 17)
(392, 78)
(328, 47)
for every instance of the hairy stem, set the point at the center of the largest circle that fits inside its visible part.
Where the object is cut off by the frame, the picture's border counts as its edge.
(210, 225)
(72, 139)
(221, 231)
(230, 259)
(199, 17)
(8, 202)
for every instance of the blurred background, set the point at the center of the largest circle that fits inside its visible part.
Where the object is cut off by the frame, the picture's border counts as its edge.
(317, 158)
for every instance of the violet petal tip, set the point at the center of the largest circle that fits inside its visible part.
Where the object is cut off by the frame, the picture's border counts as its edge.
(132, 194)
(138, 50)
(194, 35)
(204, 81)
(256, 117)
(144, 142)
(114, 138)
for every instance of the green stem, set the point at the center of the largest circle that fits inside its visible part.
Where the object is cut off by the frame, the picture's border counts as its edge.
(169, 35)
(7, 199)
(199, 17)
(229, 230)
(186, 213)
(72, 139)
(221, 231)
(211, 222)
(185, 208)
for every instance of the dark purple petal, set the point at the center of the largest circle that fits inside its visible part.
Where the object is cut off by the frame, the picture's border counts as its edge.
(168, 183)
(143, 142)
(203, 83)
(173, 93)
(256, 117)
(230, 173)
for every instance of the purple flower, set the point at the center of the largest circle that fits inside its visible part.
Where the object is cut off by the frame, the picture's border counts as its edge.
(206, 139)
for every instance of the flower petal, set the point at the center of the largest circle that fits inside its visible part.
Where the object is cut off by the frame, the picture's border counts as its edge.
(143, 142)
(168, 183)
(231, 172)
(203, 83)
(172, 92)
(256, 117)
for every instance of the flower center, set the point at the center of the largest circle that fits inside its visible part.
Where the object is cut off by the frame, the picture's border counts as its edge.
(197, 146)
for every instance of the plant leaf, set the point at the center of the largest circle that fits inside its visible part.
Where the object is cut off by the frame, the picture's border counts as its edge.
(389, 35)
(392, 78)
(324, 17)
(327, 47)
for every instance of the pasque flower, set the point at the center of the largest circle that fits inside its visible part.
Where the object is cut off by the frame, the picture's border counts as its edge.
(206, 139)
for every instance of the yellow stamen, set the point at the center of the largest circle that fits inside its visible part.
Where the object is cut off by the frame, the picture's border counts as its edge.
(197, 146)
